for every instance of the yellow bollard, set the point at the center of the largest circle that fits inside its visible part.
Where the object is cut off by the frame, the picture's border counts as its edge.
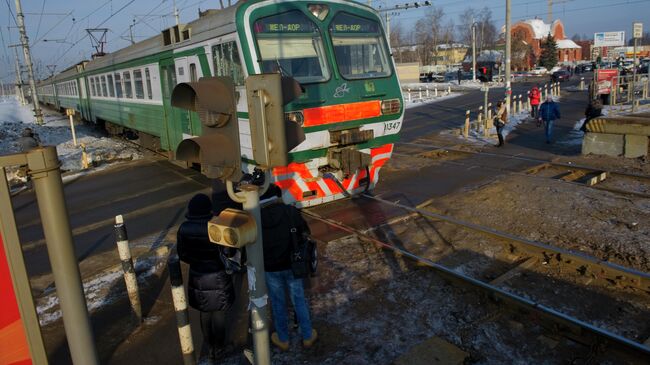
(466, 129)
(519, 106)
(84, 157)
(479, 123)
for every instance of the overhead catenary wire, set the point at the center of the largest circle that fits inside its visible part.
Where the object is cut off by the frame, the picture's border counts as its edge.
(40, 19)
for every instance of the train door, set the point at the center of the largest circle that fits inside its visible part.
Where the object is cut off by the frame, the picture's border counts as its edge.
(83, 95)
(170, 135)
(185, 72)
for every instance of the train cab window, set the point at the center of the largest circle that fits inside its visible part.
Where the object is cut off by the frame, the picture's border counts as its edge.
(147, 77)
(193, 72)
(137, 82)
(128, 91)
(290, 43)
(226, 62)
(104, 89)
(359, 47)
(118, 85)
(111, 86)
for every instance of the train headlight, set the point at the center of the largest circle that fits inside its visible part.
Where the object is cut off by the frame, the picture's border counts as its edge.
(391, 106)
(320, 11)
(295, 117)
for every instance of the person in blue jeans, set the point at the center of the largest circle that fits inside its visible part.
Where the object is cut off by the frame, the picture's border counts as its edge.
(278, 247)
(549, 112)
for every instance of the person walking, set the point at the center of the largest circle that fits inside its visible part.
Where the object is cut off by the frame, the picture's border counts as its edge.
(278, 248)
(534, 96)
(594, 110)
(500, 120)
(549, 112)
(210, 287)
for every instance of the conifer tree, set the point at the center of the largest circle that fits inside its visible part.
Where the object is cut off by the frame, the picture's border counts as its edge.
(548, 57)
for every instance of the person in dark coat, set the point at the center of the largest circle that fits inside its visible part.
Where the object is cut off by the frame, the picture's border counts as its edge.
(549, 112)
(210, 287)
(594, 110)
(500, 120)
(278, 247)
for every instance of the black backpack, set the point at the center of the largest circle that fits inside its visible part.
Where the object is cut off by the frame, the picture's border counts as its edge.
(304, 255)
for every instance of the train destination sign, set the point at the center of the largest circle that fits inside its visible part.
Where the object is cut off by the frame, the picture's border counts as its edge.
(346, 23)
(291, 22)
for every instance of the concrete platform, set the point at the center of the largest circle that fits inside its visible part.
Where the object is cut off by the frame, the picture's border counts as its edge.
(632, 124)
(603, 144)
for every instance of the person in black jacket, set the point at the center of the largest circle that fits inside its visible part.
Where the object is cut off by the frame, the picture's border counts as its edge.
(210, 287)
(276, 235)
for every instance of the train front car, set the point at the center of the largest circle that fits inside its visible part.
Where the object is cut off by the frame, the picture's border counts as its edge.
(352, 108)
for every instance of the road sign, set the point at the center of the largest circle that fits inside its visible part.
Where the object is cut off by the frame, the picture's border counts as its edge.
(638, 30)
(609, 39)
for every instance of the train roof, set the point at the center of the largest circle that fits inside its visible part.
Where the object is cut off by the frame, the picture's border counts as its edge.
(210, 25)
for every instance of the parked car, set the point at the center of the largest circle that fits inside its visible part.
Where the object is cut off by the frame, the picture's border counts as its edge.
(539, 70)
(560, 75)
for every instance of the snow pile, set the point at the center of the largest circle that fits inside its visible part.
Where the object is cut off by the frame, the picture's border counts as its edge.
(55, 131)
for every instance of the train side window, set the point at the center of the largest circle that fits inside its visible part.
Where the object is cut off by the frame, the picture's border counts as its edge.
(227, 63)
(147, 76)
(118, 85)
(92, 86)
(104, 89)
(128, 91)
(98, 86)
(111, 86)
(137, 81)
(192, 72)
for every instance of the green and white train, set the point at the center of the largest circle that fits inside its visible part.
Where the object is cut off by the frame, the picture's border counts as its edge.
(351, 110)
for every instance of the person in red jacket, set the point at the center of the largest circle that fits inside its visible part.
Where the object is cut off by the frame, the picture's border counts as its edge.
(534, 96)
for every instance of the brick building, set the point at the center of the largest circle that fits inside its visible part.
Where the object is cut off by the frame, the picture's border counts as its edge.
(534, 32)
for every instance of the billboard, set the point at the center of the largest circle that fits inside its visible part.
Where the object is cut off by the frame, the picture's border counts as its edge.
(609, 39)
(606, 80)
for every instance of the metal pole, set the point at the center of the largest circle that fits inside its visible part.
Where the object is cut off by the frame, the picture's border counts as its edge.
(388, 29)
(74, 135)
(634, 78)
(473, 51)
(508, 54)
(44, 170)
(258, 294)
(182, 314)
(19, 80)
(20, 19)
(130, 278)
(176, 14)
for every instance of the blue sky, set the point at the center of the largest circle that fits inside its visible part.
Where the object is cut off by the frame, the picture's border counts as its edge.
(67, 41)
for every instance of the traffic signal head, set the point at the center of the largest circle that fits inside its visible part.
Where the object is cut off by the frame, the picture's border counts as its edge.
(217, 149)
(273, 135)
(232, 228)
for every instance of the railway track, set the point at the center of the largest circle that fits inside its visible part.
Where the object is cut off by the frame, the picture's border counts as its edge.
(520, 264)
(596, 178)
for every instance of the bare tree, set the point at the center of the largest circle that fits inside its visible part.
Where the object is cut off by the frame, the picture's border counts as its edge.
(429, 33)
(486, 32)
(397, 41)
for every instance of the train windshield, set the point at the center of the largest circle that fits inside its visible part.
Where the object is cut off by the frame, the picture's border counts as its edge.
(291, 44)
(359, 47)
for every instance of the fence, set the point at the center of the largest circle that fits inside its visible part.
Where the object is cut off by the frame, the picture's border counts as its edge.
(483, 122)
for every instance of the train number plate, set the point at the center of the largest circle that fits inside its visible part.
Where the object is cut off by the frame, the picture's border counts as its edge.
(391, 126)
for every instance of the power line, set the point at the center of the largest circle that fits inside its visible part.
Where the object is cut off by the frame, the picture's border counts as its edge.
(40, 19)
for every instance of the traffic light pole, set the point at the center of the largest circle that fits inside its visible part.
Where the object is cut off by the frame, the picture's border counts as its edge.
(249, 196)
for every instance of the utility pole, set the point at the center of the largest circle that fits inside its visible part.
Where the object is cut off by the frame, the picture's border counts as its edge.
(637, 32)
(388, 29)
(176, 13)
(20, 18)
(19, 79)
(549, 15)
(473, 50)
(508, 50)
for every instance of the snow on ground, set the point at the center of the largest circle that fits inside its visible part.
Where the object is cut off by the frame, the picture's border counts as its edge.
(101, 290)
(414, 102)
(55, 131)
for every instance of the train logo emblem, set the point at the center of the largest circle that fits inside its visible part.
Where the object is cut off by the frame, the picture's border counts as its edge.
(341, 90)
